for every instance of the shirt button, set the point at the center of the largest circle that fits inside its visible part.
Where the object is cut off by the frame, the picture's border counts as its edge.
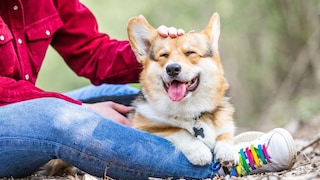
(19, 41)
(15, 7)
(48, 33)
(27, 76)
(2, 38)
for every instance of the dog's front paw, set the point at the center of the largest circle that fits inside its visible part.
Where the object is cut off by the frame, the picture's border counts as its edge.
(226, 154)
(198, 153)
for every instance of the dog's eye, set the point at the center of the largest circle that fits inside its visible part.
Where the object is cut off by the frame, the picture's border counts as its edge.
(188, 53)
(164, 55)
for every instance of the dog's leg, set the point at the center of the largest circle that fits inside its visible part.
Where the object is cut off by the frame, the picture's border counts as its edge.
(194, 150)
(225, 152)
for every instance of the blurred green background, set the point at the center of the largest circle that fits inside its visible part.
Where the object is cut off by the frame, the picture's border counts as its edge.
(270, 50)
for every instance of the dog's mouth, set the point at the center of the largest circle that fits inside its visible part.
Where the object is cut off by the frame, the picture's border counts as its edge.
(177, 90)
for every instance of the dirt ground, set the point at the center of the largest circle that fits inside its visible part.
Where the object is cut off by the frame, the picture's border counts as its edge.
(307, 166)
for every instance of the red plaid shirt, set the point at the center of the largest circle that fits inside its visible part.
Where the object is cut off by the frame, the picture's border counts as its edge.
(28, 27)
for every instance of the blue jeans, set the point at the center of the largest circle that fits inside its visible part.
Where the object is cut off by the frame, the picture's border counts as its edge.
(35, 131)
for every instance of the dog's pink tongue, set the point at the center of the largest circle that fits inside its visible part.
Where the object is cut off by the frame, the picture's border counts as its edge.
(177, 91)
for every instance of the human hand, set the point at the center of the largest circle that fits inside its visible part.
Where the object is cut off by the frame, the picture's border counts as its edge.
(165, 31)
(111, 110)
(173, 32)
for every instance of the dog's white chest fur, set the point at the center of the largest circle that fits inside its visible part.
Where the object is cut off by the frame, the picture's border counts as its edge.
(196, 138)
(202, 130)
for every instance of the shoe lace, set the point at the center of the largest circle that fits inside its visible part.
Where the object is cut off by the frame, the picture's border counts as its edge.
(251, 158)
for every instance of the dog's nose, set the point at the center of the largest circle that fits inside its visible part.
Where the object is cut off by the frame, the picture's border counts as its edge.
(173, 69)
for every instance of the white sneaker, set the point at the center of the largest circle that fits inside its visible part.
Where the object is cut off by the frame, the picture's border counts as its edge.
(264, 152)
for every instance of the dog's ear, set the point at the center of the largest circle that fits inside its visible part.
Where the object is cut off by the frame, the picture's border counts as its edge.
(213, 30)
(140, 34)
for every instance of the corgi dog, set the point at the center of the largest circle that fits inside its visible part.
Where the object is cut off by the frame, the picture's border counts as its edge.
(184, 92)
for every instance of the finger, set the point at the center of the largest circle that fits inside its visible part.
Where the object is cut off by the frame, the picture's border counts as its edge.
(123, 120)
(119, 118)
(172, 32)
(163, 31)
(180, 32)
(116, 115)
(122, 108)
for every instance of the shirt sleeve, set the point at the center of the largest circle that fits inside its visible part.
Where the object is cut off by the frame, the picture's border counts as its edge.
(12, 91)
(90, 53)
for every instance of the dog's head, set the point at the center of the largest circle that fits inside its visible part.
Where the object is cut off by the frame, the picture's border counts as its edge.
(179, 68)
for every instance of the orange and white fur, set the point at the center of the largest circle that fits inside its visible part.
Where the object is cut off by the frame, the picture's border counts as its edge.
(183, 96)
